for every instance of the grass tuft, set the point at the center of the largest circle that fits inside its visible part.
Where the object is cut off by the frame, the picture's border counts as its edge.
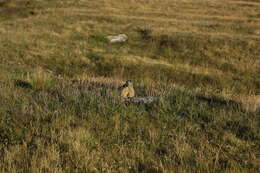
(60, 110)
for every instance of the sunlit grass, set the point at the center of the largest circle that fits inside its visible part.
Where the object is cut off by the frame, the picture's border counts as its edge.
(60, 110)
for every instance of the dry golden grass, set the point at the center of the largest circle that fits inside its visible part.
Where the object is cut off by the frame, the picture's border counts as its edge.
(60, 110)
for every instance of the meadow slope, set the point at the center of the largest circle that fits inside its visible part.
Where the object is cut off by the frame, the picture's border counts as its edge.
(60, 110)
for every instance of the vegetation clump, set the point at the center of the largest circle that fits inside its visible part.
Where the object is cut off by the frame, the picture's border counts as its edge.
(60, 110)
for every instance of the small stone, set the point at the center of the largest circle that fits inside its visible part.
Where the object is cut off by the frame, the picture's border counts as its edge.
(118, 38)
(144, 100)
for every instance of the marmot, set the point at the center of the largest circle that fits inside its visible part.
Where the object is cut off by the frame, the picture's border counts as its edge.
(127, 90)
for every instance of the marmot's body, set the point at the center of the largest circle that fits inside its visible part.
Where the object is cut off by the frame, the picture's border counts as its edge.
(127, 90)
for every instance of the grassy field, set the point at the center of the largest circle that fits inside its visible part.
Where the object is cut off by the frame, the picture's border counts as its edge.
(60, 110)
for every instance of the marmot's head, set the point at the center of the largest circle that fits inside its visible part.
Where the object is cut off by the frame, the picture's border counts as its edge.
(129, 83)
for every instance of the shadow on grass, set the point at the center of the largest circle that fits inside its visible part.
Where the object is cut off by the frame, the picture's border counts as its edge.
(23, 84)
(218, 101)
(17, 9)
(145, 168)
(241, 130)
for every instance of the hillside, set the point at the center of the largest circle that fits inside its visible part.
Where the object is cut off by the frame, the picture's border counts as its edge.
(60, 110)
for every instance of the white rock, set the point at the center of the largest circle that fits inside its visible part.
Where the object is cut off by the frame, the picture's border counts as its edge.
(117, 38)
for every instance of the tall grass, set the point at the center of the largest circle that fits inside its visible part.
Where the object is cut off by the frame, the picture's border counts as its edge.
(60, 110)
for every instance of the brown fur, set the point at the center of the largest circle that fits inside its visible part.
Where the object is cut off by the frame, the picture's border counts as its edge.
(127, 90)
